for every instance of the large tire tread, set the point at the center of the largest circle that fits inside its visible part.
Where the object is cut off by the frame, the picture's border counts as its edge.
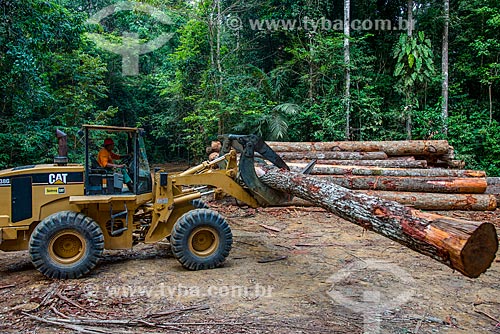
(199, 204)
(66, 220)
(187, 224)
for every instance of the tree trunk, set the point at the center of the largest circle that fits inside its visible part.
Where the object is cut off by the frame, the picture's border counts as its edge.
(218, 62)
(406, 157)
(372, 163)
(466, 246)
(439, 202)
(448, 156)
(312, 84)
(333, 155)
(413, 184)
(409, 112)
(376, 171)
(490, 91)
(347, 63)
(218, 41)
(493, 187)
(410, 18)
(391, 148)
(494, 181)
(445, 64)
(454, 164)
(425, 201)
(409, 101)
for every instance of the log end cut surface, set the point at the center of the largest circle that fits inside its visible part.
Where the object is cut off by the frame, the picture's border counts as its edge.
(480, 250)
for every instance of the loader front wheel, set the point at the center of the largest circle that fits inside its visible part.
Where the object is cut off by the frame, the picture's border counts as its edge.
(66, 244)
(199, 204)
(201, 239)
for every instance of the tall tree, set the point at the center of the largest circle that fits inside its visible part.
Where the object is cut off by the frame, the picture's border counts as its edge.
(445, 65)
(347, 60)
(409, 106)
(410, 18)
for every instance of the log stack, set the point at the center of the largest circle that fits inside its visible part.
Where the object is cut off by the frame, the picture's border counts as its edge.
(421, 174)
(387, 154)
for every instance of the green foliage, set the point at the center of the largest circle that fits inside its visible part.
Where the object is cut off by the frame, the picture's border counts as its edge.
(47, 79)
(476, 141)
(415, 63)
(210, 79)
(427, 123)
(414, 69)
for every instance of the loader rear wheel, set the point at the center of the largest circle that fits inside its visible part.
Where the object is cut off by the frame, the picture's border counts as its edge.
(66, 244)
(201, 239)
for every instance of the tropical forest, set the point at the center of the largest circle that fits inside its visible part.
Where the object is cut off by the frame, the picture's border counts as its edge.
(290, 70)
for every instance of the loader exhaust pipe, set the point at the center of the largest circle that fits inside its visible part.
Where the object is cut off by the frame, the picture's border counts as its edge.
(62, 158)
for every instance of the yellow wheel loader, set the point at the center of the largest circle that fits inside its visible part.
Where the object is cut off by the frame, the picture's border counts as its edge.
(67, 214)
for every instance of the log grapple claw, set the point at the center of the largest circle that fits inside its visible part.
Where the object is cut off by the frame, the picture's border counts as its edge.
(248, 145)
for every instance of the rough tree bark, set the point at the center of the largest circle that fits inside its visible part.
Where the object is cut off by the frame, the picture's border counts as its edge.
(371, 163)
(425, 201)
(377, 171)
(445, 185)
(466, 246)
(455, 164)
(493, 187)
(406, 157)
(409, 104)
(334, 155)
(445, 66)
(347, 63)
(439, 202)
(391, 148)
(410, 18)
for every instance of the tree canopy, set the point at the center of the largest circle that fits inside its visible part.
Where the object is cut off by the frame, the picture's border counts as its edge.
(273, 68)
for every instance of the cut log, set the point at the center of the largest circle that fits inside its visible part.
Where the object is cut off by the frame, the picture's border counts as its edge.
(392, 148)
(448, 156)
(409, 158)
(439, 202)
(375, 163)
(494, 181)
(454, 164)
(376, 171)
(445, 185)
(493, 187)
(466, 246)
(333, 155)
(424, 201)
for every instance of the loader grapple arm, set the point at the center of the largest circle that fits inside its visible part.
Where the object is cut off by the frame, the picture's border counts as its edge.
(248, 145)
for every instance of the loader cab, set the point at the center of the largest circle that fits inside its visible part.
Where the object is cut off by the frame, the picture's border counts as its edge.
(106, 181)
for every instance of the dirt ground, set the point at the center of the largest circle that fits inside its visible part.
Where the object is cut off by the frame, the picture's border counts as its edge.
(291, 270)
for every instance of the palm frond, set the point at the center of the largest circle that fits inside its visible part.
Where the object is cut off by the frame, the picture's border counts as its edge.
(287, 108)
(278, 126)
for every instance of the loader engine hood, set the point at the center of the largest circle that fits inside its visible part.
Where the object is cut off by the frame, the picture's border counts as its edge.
(44, 174)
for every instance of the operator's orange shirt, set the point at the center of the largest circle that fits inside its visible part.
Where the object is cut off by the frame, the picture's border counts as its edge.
(106, 157)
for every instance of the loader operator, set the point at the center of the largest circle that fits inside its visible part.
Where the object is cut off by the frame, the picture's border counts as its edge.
(105, 160)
